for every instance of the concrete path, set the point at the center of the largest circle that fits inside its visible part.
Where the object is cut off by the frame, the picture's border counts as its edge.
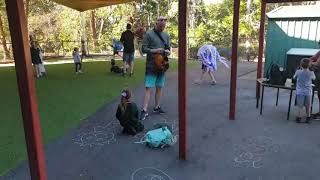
(252, 147)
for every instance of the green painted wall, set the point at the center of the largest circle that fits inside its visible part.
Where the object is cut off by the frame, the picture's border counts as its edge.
(284, 34)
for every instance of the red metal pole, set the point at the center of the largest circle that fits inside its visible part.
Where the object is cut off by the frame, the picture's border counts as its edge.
(234, 59)
(26, 86)
(182, 78)
(261, 41)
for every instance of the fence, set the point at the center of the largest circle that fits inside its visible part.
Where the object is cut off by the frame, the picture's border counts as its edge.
(52, 49)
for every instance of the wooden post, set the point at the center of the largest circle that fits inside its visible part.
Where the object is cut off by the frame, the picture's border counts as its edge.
(182, 78)
(26, 86)
(261, 41)
(234, 59)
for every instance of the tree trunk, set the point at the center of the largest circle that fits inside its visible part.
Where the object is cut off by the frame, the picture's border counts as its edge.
(94, 28)
(26, 6)
(101, 28)
(27, 2)
(3, 40)
(249, 3)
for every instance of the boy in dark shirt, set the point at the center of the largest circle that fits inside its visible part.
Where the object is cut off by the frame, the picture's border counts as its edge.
(127, 39)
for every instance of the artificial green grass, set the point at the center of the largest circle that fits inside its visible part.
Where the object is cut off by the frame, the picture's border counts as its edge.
(64, 99)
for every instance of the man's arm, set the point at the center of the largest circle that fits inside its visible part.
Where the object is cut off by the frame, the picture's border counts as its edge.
(168, 52)
(316, 56)
(315, 59)
(313, 76)
(295, 75)
(118, 114)
(169, 42)
(122, 38)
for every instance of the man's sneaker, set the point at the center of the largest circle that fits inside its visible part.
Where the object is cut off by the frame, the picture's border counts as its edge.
(308, 120)
(158, 110)
(298, 119)
(143, 115)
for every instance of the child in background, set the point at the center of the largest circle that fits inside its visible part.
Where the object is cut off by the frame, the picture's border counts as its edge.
(41, 65)
(304, 79)
(35, 57)
(128, 114)
(77, 60)
(114, 68)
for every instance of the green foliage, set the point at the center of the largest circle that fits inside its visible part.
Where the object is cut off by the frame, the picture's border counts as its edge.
(51, 23)
(40, 7)
(214, 24)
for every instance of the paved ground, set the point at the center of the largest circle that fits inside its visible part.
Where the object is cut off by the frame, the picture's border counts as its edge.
(252, 147)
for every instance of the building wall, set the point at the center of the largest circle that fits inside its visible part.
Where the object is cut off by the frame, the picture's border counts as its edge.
(284, 34)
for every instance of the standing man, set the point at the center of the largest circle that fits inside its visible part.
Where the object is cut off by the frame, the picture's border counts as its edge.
(127, 39)
(315, 63)
(154, 42)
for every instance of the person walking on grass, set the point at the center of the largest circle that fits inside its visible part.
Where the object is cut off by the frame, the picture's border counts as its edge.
(304, 79)
(127, 39)
(41, 65)
(77, 60)
(35, 57)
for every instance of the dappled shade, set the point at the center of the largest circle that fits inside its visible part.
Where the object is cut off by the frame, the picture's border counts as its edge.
(83, 5)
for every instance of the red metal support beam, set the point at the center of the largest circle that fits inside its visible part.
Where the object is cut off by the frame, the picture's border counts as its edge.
(26, 86)
(261, 42)
(182, 79)
(234, 59)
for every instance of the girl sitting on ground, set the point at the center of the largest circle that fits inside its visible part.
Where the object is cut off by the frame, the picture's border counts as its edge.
(128, 114)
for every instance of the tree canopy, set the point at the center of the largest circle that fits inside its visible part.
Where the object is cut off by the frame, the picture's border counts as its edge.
(58, 28)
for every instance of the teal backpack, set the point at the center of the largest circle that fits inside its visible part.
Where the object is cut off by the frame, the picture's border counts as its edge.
(160, 136)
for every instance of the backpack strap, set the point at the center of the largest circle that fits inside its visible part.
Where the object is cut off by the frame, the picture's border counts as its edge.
(162, 40)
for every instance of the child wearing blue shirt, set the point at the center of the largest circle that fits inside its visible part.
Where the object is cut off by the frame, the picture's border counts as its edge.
(304, 79)
(77, 60)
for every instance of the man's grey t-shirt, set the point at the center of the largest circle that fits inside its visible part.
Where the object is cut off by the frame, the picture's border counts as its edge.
(152, 41)
(304, 81)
